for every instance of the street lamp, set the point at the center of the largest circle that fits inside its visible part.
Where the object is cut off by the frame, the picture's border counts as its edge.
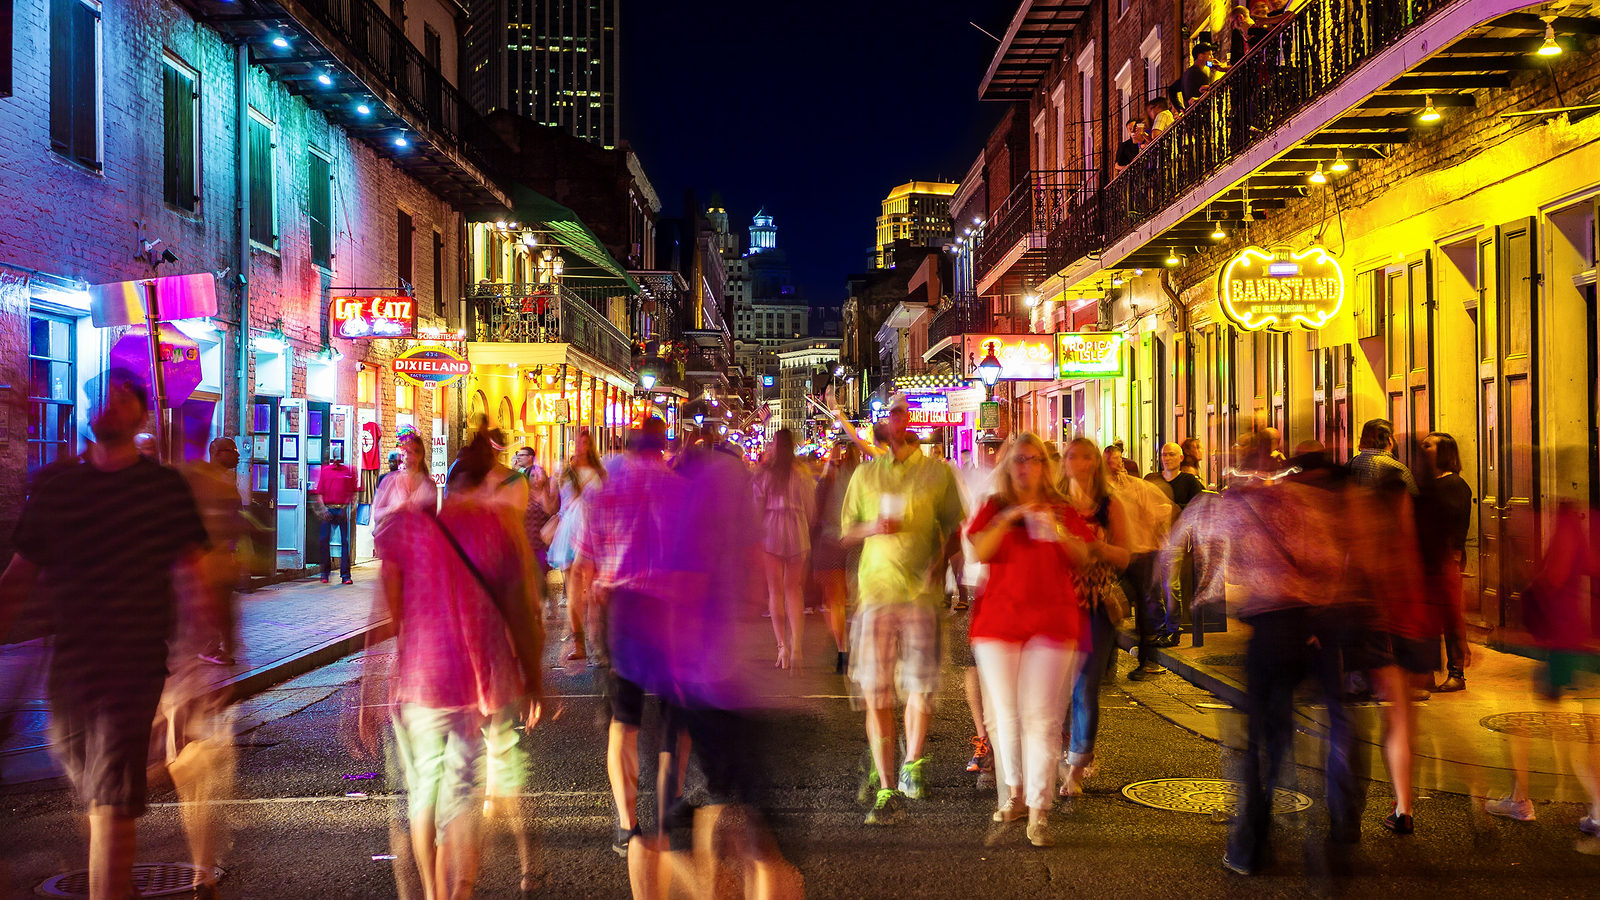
(989, 369)
(647, 374)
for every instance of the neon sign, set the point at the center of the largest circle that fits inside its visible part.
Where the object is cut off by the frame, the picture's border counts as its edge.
(431, 366)
(363, 318)
(1023, 357)
(1280, 289)
(1091, 354)
(931, 409)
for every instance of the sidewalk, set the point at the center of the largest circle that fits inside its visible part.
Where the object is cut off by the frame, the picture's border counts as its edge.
(287, 630)
(1464, 739)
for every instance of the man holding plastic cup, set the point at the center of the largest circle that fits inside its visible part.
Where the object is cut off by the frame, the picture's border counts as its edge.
(902, 508)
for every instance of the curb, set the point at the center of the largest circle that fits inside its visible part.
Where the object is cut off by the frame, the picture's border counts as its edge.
(262, 678)
(1225, 689)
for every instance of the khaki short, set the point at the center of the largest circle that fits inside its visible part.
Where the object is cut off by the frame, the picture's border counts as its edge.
(453, 757)
(894, 652)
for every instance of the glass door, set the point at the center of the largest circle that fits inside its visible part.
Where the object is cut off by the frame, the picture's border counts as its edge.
(291, 488)
(263, 456)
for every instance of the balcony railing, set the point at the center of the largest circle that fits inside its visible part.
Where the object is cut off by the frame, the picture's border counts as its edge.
(547, 314)
(965, 313)
(419, 87)
(1035, 205)
(1293, 66)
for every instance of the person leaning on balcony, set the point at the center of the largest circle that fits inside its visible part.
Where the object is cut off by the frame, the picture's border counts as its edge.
(1197, 78)
(1160, 112)
(1129, 148)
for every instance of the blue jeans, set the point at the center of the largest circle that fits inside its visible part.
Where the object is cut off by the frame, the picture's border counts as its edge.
(1280, 655)
(338, 517)
(1084, 718)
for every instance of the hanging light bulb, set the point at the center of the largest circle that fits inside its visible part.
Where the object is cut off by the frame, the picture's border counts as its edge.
(1428, 114)
(1217, 233)
(1549, 47)
(1031, 299)
(1317, 177)
(1172, 258)
(1339, 165)
(1116, 280)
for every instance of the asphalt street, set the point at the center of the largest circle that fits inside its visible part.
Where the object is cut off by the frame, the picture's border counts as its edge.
(297, 832)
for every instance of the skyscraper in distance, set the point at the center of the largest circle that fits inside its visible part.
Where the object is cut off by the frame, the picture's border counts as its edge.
(554, 61)
(917, 211)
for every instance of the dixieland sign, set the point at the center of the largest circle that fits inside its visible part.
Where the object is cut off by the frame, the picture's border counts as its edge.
(362, 318)
(1280, 289)
(431, 366)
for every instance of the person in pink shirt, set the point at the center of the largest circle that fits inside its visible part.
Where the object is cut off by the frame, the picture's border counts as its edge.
(466, 670)
(336, 487)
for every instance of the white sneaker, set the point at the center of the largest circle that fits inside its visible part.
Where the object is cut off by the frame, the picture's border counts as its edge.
(1521, 810)
(1589, 825)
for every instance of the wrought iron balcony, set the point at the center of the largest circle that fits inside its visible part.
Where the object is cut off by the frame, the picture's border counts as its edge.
(1021, 222)
(547, 314)
(1287, 71)
(964, 313)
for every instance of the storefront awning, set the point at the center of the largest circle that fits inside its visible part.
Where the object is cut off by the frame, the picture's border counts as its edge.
(584, 257)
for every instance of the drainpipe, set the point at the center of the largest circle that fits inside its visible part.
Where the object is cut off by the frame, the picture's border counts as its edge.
(241, 71)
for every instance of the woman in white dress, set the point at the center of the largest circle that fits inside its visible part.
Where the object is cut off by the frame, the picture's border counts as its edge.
(583, 475)
(408, 487)
(785, 495)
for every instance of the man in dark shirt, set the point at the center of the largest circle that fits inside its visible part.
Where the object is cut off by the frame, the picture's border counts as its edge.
(1198, 76)
(1180, 487)
(102, 534)
(1128, 150)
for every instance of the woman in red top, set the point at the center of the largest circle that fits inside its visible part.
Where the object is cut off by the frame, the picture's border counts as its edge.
(1025, 625)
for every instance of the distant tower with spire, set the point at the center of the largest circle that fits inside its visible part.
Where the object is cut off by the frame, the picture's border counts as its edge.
(763, 234)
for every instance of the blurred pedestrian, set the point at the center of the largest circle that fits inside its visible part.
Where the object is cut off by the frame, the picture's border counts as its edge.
(829, 558)
(408, 487)
(215, 483)
(101, 535)
(540, 503)
(1087, 487)
(1149, 517)
(582, 475)
(902, 509)
(1193, 459)
(1026, 627)
(1180, 487)
(1444, 513)
(785, 497)
(622, 551)
(336, 488)
(977, 482)
(466, 670)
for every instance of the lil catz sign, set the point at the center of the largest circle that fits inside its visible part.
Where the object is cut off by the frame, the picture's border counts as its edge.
(358, 318)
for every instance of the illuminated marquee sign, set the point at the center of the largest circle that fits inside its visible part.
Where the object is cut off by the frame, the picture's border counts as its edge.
(546, 408)
(363, 318)
(1023, 357)
(931, 409)
(1089, 354)
(1281, 288)
(431, 366)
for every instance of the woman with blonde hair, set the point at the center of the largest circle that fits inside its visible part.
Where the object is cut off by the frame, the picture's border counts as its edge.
(1088, 489)
(1026, 625)
(785, 495)
(581, 477)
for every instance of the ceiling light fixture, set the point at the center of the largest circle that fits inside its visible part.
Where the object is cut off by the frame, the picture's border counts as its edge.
(1339, 165)
(280, 42)
(1217, 233)
(400, 141)
(363, 109)
(1172, 258)
(1317, 177)
(324, 79)
(1428, 114)
(1549, 47)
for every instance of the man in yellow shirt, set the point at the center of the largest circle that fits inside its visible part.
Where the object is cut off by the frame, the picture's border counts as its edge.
(902, 508)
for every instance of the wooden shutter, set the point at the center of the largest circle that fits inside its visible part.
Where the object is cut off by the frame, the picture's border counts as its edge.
(406, 232)
(74, 48)
(320, 209)
(178, 96)
(263, 220)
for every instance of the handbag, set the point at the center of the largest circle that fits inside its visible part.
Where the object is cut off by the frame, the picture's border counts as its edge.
(547, 531)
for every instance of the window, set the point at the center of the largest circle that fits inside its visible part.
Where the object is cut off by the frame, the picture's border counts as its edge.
(6, 13)
(1150, 52)
(75, 80)
(263, 181)
(438, 272)
(52, 387)
(319, 206)
(406, 237)
(405, 395)
(180, 101)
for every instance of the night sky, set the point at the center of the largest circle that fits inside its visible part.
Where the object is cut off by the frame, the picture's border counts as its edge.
(812, 110)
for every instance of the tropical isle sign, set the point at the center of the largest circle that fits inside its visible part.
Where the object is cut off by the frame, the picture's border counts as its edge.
(1089, 354)
(1280, 289)
(431, 366)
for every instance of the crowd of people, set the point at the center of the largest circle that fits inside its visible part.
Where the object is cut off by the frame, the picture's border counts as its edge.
(1018, 567)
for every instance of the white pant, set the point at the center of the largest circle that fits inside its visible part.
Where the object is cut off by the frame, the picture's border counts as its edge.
(1024, 704)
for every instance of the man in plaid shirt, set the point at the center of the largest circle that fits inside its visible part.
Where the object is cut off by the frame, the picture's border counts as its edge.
(625, 549)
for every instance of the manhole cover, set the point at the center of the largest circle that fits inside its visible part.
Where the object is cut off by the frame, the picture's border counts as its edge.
(149, 879)
(1204, 795)
(1560, 726)
(1224, 660)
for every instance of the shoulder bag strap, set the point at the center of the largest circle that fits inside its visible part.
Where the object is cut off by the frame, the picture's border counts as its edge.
(494, 596)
